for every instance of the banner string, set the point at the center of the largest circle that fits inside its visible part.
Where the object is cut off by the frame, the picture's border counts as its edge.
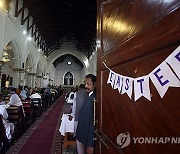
(106, 66)
(170, 72)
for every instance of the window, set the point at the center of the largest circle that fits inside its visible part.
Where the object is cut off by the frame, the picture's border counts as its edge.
(68, 79)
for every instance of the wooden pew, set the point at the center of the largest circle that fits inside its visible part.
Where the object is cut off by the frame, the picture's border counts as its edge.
(16, 116)
(28, 110)
(37, 107)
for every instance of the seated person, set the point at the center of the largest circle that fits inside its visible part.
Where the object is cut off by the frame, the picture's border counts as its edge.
(9, 127)
(23, 94)
(71, 98)
(18, 90)
(14, 99)
(35, 95)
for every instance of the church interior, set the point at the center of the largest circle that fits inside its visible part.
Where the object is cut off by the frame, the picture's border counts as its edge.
(47, 49)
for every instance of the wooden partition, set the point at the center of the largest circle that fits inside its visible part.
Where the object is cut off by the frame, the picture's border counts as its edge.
(135, 37)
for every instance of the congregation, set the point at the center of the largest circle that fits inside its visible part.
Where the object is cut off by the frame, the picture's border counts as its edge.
(81, 100)
(19, 109)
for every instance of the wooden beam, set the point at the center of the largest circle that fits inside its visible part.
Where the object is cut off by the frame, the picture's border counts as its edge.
(28, 21)
(32, 28)
(17, 12)
(24, 20)
(40, 41)
(32, 3)
(36, 30)
(22, 17)
(16, 8)
(37, 38)
(33, 23)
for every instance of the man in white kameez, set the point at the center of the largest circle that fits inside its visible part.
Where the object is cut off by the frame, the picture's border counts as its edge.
(14, 99)
(35, 95)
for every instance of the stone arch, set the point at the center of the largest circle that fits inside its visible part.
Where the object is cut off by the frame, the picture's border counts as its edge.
(12, 67)
(16, 57)
(58, 53)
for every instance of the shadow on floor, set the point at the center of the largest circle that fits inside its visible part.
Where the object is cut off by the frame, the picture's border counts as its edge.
(69, 150)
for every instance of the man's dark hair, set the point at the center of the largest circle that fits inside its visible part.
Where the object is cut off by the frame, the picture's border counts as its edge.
(72, 96)
(81, 86)
(13, 89)
(92, 77)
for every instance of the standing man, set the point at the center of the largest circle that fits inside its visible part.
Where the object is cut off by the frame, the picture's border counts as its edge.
(85, 128)
(81, 97)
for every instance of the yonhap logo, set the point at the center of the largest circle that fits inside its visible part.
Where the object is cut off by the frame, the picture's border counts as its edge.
(123, 140)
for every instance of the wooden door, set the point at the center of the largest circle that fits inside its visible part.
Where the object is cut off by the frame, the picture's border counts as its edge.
(133, 38)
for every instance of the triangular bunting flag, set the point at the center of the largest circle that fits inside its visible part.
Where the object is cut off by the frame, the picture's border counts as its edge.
(141, 88)
(127, 86)
(111, 78)
(163, 77)
(174, 61)
(118, 82)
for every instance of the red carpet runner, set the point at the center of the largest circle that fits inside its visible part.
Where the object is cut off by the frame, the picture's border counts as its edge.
(40, 141)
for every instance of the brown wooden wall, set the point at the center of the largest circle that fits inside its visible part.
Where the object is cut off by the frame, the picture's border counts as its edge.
(126, 19)
(136, 36)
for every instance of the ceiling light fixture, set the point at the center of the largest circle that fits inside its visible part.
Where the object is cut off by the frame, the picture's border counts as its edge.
(24, 32)
(69, 62)
(29, 38)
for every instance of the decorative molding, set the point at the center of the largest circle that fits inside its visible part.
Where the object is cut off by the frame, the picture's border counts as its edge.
(39, 76)
(19, 69)
(30, 73)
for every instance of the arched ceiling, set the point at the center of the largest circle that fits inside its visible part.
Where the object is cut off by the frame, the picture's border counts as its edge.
(62, 58)
(59, 21)
(60, 52)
